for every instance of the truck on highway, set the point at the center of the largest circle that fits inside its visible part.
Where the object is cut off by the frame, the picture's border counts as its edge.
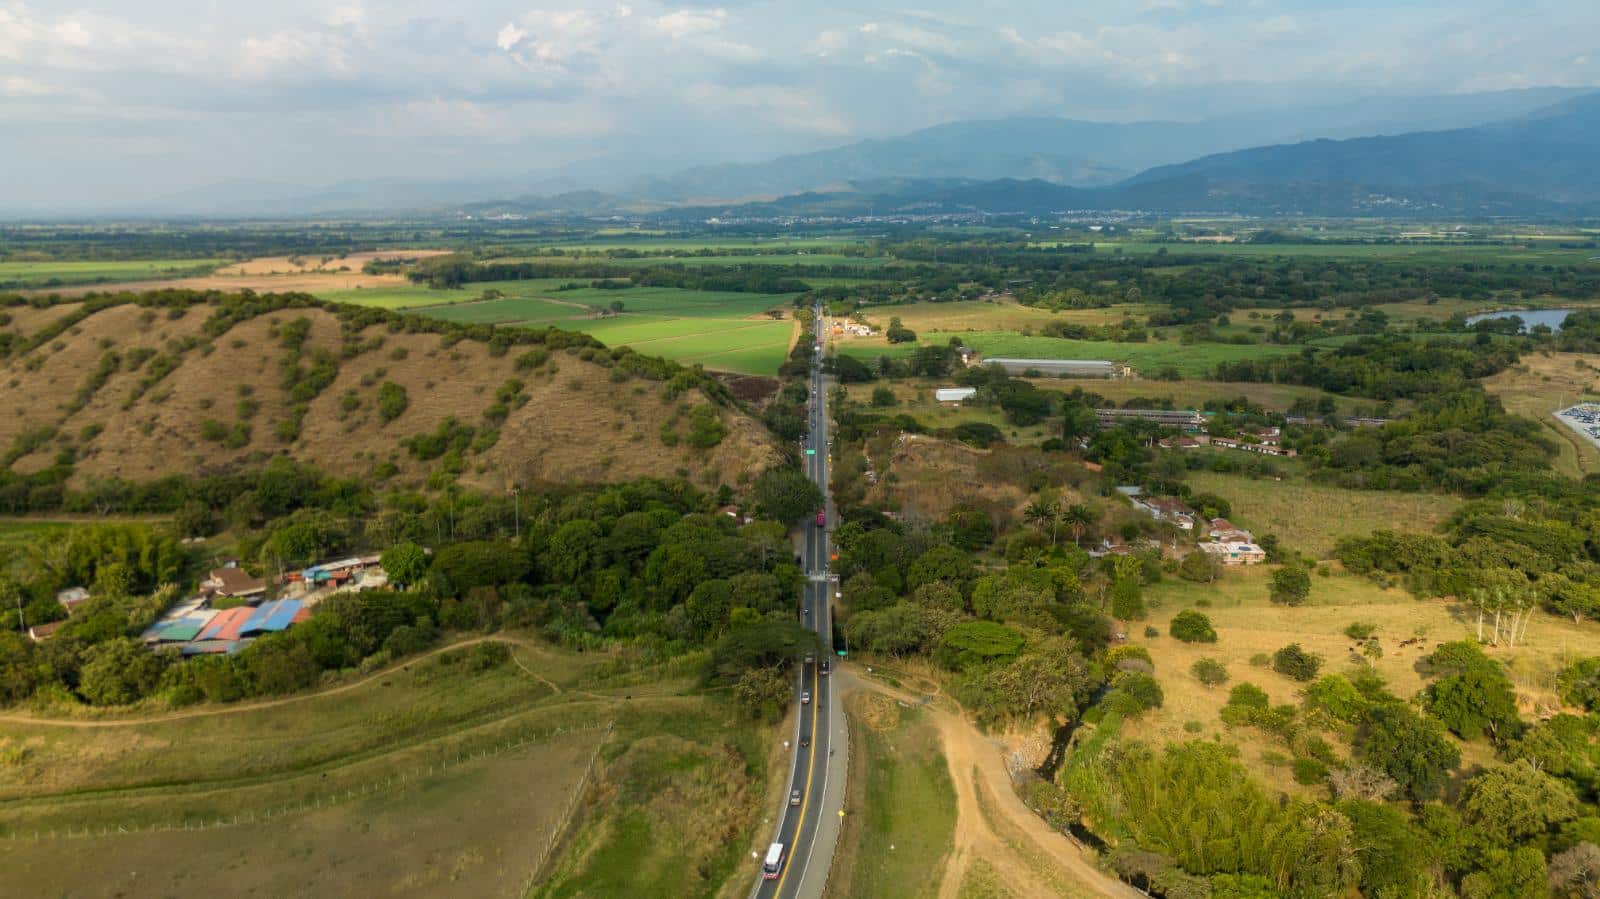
(773, 862)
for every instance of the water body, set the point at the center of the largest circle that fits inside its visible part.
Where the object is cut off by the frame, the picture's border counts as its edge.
(1530, 317)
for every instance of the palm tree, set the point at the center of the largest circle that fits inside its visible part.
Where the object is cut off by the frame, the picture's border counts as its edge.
(1079, 517)
(1041, 513)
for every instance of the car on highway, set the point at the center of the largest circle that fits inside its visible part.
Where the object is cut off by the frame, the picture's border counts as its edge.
(805, 742)
(822, 517)
(773, 863)
(805, 697)
(810, 657)
(825, 666)
(794, 796)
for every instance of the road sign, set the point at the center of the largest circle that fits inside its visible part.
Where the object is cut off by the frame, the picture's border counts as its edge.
(811, 452)
(842, 653)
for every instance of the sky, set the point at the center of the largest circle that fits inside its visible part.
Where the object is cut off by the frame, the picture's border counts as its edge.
(105, 102)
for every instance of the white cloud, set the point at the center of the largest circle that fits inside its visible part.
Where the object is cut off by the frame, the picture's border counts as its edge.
(685, 22)
(510, 36)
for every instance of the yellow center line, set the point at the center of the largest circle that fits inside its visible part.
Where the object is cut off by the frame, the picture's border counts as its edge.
(805, 798)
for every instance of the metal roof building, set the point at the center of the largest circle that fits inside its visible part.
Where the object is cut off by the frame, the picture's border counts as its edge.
(1076, 368)
(226, 625)
(272, 616)
(954, 394)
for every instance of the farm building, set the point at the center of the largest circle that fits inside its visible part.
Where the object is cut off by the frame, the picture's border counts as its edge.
(1070, 368)
(180, 629)
(1221, 530)
(954, 394)
(1188, 419)
(39, 633)
(1235, 553)
(273, 616)
(72, 597)
(232, 581)
(1168, 509)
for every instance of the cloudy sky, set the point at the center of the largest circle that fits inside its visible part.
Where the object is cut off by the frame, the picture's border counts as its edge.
(113, 100)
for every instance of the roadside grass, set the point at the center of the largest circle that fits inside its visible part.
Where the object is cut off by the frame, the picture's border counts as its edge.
(1311, 517)
(900, 812)
(671, 808)
(64, 273)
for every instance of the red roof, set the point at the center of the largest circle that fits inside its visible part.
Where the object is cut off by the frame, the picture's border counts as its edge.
(225, 625)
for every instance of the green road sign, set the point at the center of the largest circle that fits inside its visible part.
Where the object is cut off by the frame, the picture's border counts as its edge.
(842, 653)
(811, 452)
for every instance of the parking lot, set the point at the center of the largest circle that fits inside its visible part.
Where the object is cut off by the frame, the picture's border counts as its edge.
(1585, 419)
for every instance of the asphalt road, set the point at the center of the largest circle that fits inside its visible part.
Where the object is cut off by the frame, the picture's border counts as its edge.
(809, 830)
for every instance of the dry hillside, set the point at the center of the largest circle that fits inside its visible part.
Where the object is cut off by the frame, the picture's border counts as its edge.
(181, 400)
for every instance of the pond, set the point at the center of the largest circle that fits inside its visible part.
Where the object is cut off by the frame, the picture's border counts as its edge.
(1530, 317)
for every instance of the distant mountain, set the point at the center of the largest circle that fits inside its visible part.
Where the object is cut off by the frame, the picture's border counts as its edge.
(1072, 152)
(1542, 159)
(1541, 163)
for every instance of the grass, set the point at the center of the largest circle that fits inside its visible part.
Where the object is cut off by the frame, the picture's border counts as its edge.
(1439, 253)
(1195, 393)
(474, 773)
(901, 811)
(994, 315)
(1248, 624)
(61, 274)
(1310, 517)
(1542, 384)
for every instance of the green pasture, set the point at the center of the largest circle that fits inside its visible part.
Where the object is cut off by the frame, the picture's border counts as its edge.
(61, 274)
(1442, 253)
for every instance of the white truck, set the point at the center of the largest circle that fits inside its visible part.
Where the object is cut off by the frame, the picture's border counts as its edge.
(773, 863)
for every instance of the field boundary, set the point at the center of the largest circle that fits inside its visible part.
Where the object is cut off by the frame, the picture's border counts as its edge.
(569, 817)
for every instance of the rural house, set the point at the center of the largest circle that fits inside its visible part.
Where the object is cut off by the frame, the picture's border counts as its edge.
(1168, 509)
(72, 597)
(1221, 530)
(1235, 552)
(234, 582)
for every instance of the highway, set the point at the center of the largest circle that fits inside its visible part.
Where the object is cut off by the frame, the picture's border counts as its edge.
(809, 830)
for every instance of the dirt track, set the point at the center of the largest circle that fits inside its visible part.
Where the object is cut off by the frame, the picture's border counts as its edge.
(993, 824)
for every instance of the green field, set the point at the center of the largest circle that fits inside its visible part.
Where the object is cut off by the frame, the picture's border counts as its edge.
(61, 274)
(525, 310)
(493, 775)
(901, 814)
(1191, 360)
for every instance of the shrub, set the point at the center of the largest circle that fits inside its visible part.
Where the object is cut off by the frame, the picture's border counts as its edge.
(1309, 772)
(392, 401)
(1139, 688)
(1360, 630)
(1295, 662)
(1290, 585)
(1209, 672)
(1192, 627)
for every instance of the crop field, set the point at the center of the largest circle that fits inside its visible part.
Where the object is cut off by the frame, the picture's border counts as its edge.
(994, 315)
(522, 310)
(479, 767)
(737, 345)
(1191, 360)
(53, 274)
(1303, 514)
(900, 817)
(1194, 394)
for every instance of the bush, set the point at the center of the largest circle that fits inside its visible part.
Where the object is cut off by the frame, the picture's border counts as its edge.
(1139, 689)
(392, 401)
(1309, 772)
(1360, 630)
(1290, 585)
(1192, 627)
(1209, 672)
(1295, 662)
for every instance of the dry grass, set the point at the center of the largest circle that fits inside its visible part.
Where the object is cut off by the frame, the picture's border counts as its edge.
(1248, 624)
(1310, 517)
(576, 424)
(1000, 314)
(1544, 383)
(280, 265)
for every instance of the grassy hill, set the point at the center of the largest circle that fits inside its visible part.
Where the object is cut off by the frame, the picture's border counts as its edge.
(142, 386)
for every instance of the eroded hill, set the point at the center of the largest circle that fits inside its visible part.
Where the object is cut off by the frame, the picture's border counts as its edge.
(138, 386)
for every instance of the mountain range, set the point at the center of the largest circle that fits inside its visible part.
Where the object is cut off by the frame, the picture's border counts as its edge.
(1529, 152)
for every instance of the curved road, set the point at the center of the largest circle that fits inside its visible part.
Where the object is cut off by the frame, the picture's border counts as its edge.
(808, 830)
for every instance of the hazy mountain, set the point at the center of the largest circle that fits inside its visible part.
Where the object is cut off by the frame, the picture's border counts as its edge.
(1078, 153)
(1542, 158)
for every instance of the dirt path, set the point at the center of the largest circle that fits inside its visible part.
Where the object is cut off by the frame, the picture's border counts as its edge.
(240, 708)
(983, 788)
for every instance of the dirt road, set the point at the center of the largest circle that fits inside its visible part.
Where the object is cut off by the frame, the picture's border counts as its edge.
(1031, 860)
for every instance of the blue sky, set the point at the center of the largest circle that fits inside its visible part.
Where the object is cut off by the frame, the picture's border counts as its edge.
(109, 101)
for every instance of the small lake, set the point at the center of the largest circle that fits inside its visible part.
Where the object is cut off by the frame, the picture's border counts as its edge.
(1530, 317)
